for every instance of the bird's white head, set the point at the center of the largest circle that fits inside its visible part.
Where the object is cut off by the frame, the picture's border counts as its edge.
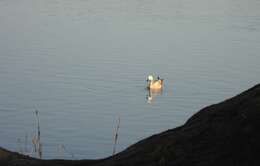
(150, 78)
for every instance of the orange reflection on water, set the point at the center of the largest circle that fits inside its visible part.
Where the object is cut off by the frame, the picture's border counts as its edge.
(151, 94)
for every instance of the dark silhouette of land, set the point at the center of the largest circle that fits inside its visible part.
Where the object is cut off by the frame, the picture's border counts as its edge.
(227, 133)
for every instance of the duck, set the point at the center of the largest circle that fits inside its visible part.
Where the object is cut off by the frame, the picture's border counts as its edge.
(153, 84)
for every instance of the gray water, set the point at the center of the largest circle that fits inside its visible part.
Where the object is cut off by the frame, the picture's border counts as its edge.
(83, 63)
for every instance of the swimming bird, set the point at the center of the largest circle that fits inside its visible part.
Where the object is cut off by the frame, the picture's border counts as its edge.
(154, 84)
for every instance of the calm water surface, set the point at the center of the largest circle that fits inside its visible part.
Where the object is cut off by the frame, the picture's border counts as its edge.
(83, 63)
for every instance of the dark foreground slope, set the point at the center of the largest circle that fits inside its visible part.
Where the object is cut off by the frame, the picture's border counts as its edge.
(227, 133)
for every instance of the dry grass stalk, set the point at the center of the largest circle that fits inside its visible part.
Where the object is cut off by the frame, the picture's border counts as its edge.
(116, 135)
(37, 139)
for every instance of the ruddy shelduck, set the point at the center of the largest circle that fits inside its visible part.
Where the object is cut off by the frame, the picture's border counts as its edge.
(154, 84)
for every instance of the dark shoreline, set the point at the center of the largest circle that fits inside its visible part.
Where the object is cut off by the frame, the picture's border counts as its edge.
(227, 133)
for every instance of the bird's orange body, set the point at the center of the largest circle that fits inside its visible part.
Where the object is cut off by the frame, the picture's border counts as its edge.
(155, 84)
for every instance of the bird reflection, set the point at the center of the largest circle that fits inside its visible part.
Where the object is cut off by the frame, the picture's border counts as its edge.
(151, 94)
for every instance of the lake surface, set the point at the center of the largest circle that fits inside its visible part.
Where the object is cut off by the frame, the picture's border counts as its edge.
(83, 64)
